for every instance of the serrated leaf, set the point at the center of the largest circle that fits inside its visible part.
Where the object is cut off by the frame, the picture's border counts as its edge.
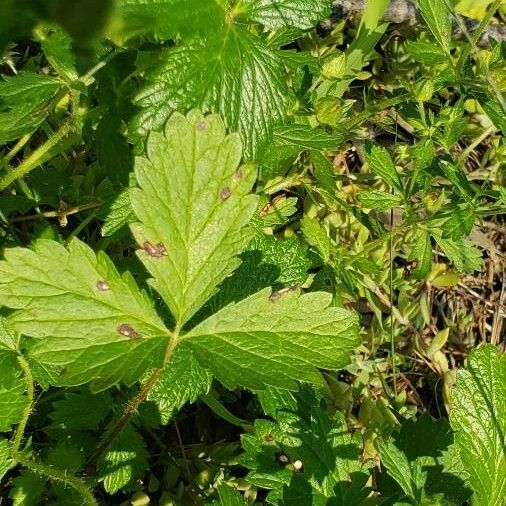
(96, 324)
(464, 256)
(193, 205)
(266, 262)
(421, 251)
(233, 73)
(316, 236)
(182, 380)
(12, 391)
(27, 489)
(23, 103)
(6, 463)
(66, 455)
(426, 52)
(167, 18)
(305, 456)
(478, 417)
(292, 333)
(9, 339)
(375, 199)
(124, 462)
(397, 464)
(277, 14)
(305, 137)
(117, 213)
(460, 223)
(437, 15)
(68, 413)
(57, 47)
(381, 164)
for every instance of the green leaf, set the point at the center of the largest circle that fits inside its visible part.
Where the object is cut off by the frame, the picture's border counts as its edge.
(375, 199)
(437, 15)
(233, 73)
(228, 497)
(182, 380)
(117, 213)
(57, 47)
(96, 324)
(304, 454)
(167, 18)
(292, 333)
(276, 14)
(124, 462)
(66, 455)
(27, 489)
(478, 417)
(193, 205)
(397, 464)
(8, 338)
(267, 262)
(24, 102)
(382, 165)
(426, 52)
(12, 391)
(305, 137)
(68, 414)
(421, 251)
(464, 256)
(316, 236)
(6, 463)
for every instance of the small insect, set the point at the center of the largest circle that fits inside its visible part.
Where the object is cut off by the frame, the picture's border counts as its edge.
(128, 331)
(225, 193)
(275, 296)
(269, 438)
(154, 250)
(102, 286)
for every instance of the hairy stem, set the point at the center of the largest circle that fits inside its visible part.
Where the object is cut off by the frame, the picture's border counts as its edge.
(123, 421)
(43, 153)
(56, 475)
(38, 467)
(20, 431)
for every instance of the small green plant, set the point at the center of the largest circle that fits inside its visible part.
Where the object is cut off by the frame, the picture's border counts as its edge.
(236, 245)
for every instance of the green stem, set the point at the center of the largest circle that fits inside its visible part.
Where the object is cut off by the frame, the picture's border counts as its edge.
(38, 157)
(60, 476)
(20, 430)
(16, 148)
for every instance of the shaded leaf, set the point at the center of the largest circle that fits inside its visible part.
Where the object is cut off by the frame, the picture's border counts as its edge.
(233, 73)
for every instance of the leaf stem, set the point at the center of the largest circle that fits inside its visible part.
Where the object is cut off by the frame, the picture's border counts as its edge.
(129, 410)
(39, 156)
(57, 475)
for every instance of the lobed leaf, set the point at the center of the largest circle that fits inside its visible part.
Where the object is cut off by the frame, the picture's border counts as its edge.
(275, 338)
(193, 205)
(96, 324)
(233, 73)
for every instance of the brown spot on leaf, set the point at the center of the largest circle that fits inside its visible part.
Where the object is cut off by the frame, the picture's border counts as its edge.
(201, 125)
(225, 193)
(154, 250)
(275, 296)
(269, 438)
(239, 174)
(128, 331)
(102, 286)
